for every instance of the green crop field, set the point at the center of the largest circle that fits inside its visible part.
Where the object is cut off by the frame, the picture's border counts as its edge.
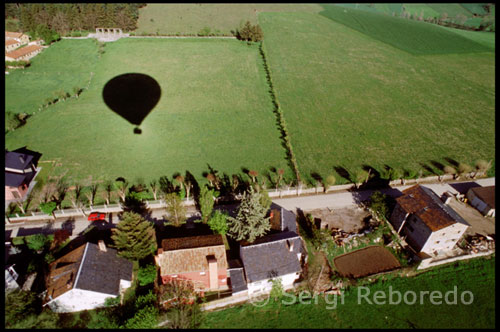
(485, 38)
(476, 276)
(64, 65)
(220, 18)
(350, 100)
(214, 109)
(411, 36)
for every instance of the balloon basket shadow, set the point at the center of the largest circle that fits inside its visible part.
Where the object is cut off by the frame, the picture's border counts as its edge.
(137, 130)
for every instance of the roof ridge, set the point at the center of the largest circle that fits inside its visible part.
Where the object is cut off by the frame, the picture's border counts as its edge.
(81, 264)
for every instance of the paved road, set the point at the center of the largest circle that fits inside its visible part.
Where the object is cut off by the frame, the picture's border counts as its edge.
(334, 200)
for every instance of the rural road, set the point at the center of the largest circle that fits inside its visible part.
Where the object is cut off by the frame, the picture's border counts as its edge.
(334, 200)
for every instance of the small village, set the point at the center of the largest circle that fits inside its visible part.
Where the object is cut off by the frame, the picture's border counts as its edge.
(362, 239)
(188, 166)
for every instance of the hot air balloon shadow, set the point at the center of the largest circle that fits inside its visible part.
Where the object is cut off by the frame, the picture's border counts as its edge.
(132, 96)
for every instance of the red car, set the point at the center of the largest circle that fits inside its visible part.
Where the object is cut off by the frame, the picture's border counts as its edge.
(97, 216)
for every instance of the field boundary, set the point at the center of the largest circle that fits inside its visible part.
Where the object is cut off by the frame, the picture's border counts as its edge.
(280, 117)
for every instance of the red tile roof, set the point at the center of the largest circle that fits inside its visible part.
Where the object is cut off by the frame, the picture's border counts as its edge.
(426, 205)
(11, 42)
(13, 34)
(23, 51)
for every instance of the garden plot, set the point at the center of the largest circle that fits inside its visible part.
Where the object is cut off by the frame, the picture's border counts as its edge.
(366, 261)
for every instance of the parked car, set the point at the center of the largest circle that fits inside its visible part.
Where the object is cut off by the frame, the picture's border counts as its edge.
(97, 216)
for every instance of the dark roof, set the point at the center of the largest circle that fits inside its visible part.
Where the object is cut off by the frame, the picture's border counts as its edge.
(101, 271)
(272, 257)
(237, 279)
(286, 221)
(486, 194)
(429, 208)
(13, 160)
(17, 179)
(192, 242)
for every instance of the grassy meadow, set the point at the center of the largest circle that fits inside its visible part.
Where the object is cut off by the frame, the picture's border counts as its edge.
(476, 276)
(350, 100)
(214, 110)
(220, 18)
(419, 38)
(63, 65)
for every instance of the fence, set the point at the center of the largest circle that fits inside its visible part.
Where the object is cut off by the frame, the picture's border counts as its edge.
(427, 263)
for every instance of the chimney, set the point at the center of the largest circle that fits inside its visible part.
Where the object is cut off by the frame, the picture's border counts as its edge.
(289, 244)
(212, 272)
(446, 197)
(102, 246)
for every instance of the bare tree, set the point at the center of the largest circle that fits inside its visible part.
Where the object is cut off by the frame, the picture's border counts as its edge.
(76, 196)
(253, 174)
(92, 192)
(108, 190)
(121, 186)
(280, 172)
(482, 166)
(464, 169)
(154, 188)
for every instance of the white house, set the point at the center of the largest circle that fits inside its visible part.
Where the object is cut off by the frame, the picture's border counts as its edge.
(270, 257)
(428, 225)
(84, 278)
(483, 199)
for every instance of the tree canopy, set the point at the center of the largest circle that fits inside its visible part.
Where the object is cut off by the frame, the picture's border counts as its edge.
(250, 221)
(134, 237)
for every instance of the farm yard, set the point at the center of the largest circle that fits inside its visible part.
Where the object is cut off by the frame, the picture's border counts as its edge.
(351, 96)
(366, 261)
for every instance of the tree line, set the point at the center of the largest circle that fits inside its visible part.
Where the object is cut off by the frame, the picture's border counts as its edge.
(67, 17)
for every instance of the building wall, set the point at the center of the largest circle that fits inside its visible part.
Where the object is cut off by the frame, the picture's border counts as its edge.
(21, 191)
(397, 216)
(444, 239)
(266, 285)
(416, 232)
(77, 300)
(479, 204)
(202, 277)
(11, 47)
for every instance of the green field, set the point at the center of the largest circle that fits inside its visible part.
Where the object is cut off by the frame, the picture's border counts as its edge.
(63, 66)
(415, 37)
(220, 18)
(215, 109)
(481, 37)
(351, 100)
(476, 276)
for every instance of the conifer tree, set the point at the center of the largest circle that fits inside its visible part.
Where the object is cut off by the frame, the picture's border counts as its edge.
(134, 237)
(250, 221)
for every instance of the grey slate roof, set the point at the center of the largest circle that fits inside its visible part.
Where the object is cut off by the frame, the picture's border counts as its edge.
(16, 179)
(237, 279)
(269, 256)
(288, 218)
(12, 160)
(101, 271)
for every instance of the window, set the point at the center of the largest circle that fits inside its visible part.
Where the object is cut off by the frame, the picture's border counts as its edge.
(437, 242)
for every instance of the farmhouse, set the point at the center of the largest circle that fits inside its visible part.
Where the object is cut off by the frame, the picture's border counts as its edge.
(23, 53)
(17, 36)
(483, 199)
(11, 45)
(428, 225)
(199, 259)
(84, 278)
(20, 170)
(270, 257)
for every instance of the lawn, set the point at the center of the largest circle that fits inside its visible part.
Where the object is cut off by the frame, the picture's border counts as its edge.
(476, 276)
(485, 38)
(214, 110)
(350, 100)
(63, 65)
(220, 18)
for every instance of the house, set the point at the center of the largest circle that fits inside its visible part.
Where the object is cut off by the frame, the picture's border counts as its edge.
(11, 276)
(11, 45)
(20, 170)
(199, 259)
(483, 199)
(17, 36)
(85, 277)
(282, 220)
(272, 256)
(428, 225)
(23, 53)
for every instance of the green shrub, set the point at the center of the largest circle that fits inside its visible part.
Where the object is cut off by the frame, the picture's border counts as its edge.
(37, 242)
(147, 275)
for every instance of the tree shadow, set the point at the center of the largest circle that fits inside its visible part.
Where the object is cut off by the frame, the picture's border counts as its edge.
(375, 180)
(69, 225)
(451, 161)
(343, 173)
(318, 179)
(437, 165)
(428, 170)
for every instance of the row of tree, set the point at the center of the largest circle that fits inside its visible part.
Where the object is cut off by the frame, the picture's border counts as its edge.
(66, 17)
